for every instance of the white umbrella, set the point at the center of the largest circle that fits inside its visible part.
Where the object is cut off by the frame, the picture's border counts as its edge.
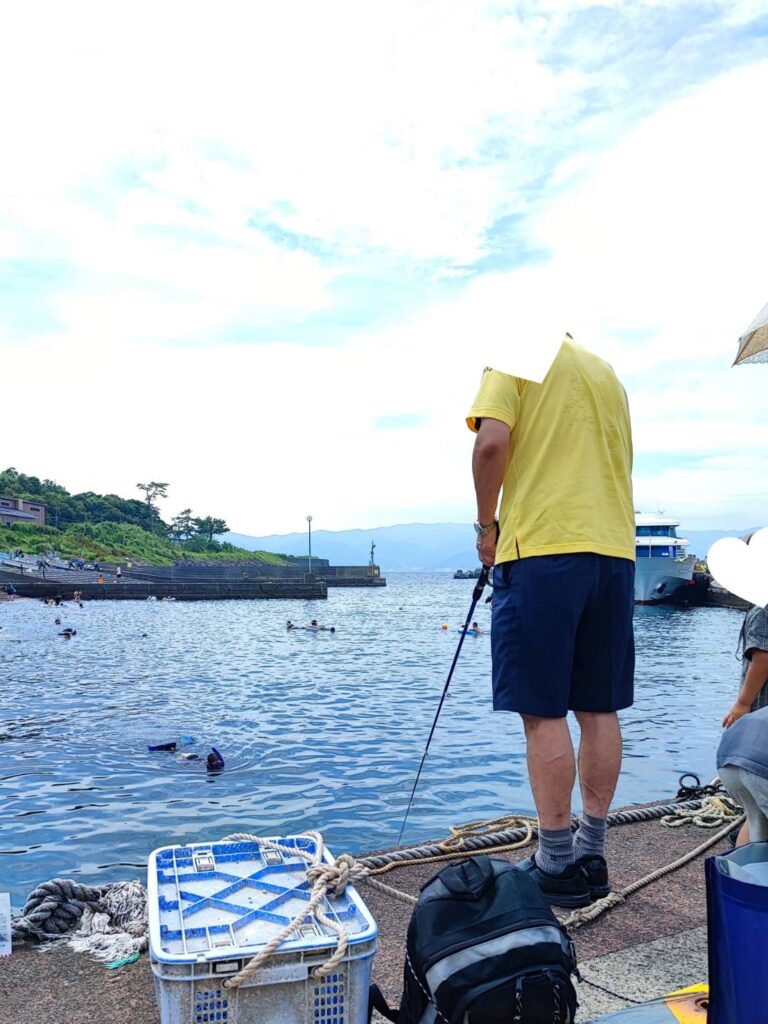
(753, 344)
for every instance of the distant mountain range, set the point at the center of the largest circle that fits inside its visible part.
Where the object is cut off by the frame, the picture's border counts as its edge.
(414, 547)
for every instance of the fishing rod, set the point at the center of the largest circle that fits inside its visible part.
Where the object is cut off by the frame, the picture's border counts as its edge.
(476, 595)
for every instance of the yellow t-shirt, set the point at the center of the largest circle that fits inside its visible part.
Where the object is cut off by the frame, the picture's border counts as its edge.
(568, 482)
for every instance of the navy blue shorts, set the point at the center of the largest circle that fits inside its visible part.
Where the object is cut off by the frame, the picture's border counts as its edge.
(562, 637)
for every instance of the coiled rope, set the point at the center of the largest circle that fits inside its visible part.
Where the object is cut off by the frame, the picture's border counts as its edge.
(714, 810)
(54, 908)
(109, 922)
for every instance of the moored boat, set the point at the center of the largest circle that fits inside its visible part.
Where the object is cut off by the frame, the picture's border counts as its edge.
(662, 565)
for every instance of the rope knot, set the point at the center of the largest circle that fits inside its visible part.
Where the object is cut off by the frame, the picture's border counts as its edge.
(336, 877)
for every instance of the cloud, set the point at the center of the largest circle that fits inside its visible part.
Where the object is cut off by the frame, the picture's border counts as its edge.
(277, 234)
(405, 421)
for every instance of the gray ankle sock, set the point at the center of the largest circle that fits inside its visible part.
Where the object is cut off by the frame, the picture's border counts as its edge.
(555, 852)
(590, 837)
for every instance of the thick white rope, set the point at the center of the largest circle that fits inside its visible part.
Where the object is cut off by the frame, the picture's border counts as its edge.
(713, 812)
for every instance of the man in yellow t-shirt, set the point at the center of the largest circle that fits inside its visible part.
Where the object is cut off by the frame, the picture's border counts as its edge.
(563, 547)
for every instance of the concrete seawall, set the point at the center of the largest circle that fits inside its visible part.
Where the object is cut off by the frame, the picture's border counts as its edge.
(223, 591)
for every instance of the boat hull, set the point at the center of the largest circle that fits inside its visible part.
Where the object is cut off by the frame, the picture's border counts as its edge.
(657, 579)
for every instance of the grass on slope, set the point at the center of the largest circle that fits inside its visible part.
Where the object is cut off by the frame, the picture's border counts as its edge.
(114, 541)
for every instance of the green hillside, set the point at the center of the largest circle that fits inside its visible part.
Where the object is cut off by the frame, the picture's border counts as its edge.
(109, 528)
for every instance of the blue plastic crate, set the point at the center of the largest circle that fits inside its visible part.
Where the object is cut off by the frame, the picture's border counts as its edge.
(213, 906)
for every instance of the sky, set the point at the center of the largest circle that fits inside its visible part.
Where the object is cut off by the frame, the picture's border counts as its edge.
(263, 251)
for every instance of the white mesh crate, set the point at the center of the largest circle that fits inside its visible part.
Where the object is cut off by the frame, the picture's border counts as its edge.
(213, 906)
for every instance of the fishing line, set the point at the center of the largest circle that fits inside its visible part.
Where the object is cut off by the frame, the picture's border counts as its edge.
(476, 595)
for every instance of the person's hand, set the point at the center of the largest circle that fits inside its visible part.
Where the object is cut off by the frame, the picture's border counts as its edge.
(738, 710)
(486, 548)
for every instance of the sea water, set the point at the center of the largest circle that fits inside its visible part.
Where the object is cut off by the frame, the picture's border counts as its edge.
(320, 731)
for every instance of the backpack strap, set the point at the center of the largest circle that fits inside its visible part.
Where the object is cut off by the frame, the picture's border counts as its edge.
(376, 1001)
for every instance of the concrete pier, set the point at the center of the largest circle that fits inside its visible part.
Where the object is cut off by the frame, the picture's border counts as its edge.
(198, 591)
(645, 948)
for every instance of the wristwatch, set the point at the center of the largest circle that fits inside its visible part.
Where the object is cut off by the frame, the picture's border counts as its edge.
(483, 531)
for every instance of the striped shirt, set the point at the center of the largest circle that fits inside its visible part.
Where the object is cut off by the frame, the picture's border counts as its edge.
(754, 636)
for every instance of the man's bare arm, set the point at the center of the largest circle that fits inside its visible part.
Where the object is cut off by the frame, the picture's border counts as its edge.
(754, 681)
(489, 463)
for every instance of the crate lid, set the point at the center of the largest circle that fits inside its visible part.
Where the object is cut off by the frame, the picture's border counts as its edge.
(212, 901)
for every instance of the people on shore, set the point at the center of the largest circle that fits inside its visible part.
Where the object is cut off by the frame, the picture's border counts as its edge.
(563, 547)
(118, 575)
(100, 579)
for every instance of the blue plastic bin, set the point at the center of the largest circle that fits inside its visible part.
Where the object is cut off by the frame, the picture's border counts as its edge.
(213, 906)
(737, 923)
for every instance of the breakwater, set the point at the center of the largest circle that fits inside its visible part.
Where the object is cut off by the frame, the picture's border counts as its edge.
(244, 572)
(131, 590)
(185, 581)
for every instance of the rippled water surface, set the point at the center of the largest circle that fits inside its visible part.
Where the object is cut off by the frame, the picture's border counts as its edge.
(322, 731)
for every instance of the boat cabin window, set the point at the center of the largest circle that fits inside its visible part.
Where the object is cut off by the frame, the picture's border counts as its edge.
(656, 531)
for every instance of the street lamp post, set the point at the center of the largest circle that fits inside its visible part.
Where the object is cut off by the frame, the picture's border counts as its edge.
(309, 527)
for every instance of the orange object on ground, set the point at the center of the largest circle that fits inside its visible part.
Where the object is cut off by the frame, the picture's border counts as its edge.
(686, 1006)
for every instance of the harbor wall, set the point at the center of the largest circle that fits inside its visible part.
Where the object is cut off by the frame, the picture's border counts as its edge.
(191, 591)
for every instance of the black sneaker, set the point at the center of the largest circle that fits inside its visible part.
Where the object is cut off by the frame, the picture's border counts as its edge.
(595, 870)
(569, 888)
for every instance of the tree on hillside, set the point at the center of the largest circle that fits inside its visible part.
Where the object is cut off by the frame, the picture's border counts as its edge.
(183, 526)
(153, 490)
(210, 526)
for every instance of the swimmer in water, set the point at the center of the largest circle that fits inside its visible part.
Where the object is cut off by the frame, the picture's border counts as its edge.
(477, 628)
(289, 625)
(214, 762)
(68, 633)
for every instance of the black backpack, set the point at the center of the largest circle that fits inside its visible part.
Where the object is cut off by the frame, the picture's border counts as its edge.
(484, 947)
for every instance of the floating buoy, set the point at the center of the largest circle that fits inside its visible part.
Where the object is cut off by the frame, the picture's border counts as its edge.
(444, 626)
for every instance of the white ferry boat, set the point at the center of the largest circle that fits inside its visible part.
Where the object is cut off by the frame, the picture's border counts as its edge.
(662, 563)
